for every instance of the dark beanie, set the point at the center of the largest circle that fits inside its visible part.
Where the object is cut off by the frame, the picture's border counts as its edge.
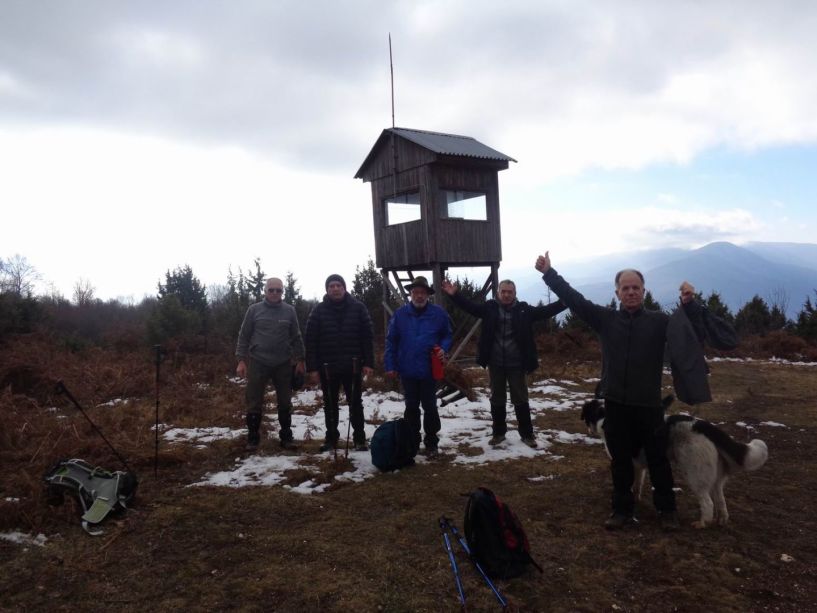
(337, 278)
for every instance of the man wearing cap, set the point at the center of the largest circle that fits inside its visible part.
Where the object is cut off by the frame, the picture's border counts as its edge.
(415, 330)
(339, 351)
(508, 350)
(268, 342)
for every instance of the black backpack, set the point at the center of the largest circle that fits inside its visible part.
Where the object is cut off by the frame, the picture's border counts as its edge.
(495, 536)
(393, 445)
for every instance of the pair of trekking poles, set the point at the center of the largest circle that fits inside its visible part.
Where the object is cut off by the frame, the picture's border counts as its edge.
(336, 402)
(446, 526)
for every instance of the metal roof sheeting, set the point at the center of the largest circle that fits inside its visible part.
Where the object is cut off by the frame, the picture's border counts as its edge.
(451, 144)
(438, 143)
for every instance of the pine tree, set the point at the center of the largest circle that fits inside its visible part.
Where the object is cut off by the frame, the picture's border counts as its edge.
(650, 303)
(181, 308)
(754, 317)
(806, 324)
(368, 288)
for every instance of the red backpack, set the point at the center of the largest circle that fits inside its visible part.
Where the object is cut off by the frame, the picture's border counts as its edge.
(495, 536)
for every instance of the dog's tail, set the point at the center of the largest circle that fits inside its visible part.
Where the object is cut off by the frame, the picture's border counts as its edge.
(756, 455)
(748, 456)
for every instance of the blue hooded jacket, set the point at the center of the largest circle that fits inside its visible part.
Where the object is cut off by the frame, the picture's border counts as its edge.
(411, 336)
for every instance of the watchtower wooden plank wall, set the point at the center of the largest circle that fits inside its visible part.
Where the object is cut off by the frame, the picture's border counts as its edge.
(429, 169)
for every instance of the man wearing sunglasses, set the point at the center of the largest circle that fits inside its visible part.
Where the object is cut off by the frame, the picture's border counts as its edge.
(269, 341)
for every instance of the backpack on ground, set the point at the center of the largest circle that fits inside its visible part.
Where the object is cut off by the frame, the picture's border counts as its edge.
(98, 491)
(393, 445)
(495, 536)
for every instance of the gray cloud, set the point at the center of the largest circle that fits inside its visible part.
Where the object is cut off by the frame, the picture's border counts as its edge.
(307, 82)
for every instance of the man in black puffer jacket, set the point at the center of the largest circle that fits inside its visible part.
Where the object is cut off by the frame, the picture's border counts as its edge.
(339, 351)
(508, 349)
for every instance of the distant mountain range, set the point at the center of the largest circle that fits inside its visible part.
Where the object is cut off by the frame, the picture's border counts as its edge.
(780, 273)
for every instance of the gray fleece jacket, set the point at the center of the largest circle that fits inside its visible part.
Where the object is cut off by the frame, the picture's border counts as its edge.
(270, 334)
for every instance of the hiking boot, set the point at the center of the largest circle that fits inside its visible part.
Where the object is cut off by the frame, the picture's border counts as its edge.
(361, 446)
(618, 520)
(669, 521)
(253, 431)
(496, 439)
(288, 444)
(327, 446)
(530, 442)
(432, 451)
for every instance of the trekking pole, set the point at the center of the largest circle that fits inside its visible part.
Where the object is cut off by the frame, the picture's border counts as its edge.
(331, 406)
(61, 389)
(159, 352)
(447, 543)
(351, 402)
(464, 545)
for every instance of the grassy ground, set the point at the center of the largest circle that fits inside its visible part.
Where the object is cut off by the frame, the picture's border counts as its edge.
(375, 546)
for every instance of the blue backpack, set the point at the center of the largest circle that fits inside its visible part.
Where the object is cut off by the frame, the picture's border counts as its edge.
(393, 445)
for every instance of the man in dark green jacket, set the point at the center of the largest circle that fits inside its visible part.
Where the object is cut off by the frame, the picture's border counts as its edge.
(508, 349)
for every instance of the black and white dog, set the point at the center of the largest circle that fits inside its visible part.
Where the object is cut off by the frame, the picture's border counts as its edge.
(702, 453)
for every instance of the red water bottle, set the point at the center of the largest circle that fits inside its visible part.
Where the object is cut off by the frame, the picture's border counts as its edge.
(437, 368)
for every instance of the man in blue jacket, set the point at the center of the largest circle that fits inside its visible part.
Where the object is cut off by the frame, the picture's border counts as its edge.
(507, 348)
(414, 331)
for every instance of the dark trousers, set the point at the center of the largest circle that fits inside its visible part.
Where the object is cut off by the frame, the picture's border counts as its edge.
(515, 379)
(258, 375)
(628, 429)
(331, 392)
(417, 392)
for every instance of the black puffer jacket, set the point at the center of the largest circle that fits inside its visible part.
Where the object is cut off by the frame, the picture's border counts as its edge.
(338, 332)
(522, 317)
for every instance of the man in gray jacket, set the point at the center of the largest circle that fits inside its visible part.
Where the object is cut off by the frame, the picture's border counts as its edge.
(269, 340)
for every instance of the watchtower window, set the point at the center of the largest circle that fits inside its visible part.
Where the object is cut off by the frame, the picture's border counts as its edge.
(465, 205)
(402, 208)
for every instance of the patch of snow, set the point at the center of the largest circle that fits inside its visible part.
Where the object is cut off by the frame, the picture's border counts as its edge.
(114, 402)
(10, 499)
(772, 424)
(201, 435)
(773, 360)
(464, 437)
(24, 539)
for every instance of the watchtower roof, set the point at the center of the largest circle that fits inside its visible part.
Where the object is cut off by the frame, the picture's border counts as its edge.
(438, 143)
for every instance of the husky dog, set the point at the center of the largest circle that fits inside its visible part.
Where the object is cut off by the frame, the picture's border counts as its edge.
(703, 454)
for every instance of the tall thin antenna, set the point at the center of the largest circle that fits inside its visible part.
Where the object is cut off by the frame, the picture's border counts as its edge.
(391, 69)
(393, 146)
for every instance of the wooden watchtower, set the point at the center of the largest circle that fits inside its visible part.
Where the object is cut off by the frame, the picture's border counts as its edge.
(435, 202)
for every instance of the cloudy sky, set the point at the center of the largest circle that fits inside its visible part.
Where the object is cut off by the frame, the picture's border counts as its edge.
(136, 137)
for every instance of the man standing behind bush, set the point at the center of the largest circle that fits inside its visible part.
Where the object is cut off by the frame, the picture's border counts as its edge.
(269, 339)
(339, 351)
